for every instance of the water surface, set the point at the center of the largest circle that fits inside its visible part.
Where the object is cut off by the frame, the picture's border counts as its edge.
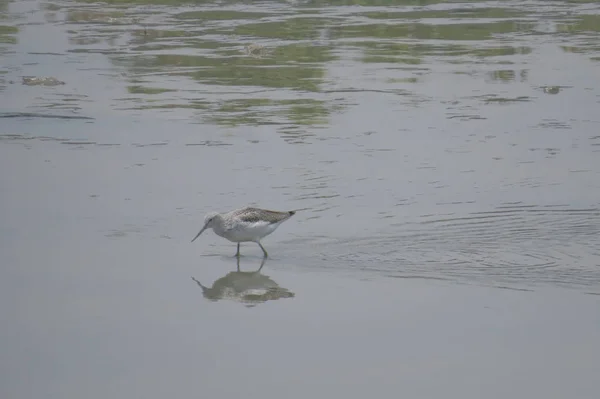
(445, 156)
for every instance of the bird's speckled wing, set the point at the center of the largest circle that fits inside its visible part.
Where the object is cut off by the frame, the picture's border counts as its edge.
(254, 215)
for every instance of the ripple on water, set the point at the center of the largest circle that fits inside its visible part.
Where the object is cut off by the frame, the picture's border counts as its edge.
(512, 246)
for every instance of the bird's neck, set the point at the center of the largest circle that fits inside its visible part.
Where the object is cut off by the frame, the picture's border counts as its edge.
(219, 225)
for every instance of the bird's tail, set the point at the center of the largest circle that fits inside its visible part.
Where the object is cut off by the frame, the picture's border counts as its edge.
(292, 213)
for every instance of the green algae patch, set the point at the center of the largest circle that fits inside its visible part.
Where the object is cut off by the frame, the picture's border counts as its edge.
(263, 111)
(466, 31)
(220, 15)
(480, 12)
(147, 90)
(291, 29)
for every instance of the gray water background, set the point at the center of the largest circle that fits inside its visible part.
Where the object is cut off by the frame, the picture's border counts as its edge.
(445, 157)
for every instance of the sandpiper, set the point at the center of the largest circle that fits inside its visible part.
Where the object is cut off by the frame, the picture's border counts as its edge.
(245, 225)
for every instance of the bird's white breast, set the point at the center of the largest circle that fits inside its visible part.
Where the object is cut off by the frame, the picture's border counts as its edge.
(253, 231)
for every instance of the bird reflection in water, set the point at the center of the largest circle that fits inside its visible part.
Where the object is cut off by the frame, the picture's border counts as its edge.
(249, 288)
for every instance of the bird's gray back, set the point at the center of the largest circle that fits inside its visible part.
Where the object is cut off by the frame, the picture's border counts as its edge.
(252, 215)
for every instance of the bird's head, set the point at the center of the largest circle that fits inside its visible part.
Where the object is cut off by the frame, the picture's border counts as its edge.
(209, 222)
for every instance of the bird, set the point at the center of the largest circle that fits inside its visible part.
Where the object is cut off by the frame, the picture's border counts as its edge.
(246, 224)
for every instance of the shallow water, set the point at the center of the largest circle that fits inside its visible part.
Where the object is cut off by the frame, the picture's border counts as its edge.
(438, 151)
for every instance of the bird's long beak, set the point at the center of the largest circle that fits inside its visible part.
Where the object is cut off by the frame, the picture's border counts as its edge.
(197, 235)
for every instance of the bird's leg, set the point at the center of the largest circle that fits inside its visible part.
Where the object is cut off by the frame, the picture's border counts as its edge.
(262, 264)
(263, 248)
(238, 251)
